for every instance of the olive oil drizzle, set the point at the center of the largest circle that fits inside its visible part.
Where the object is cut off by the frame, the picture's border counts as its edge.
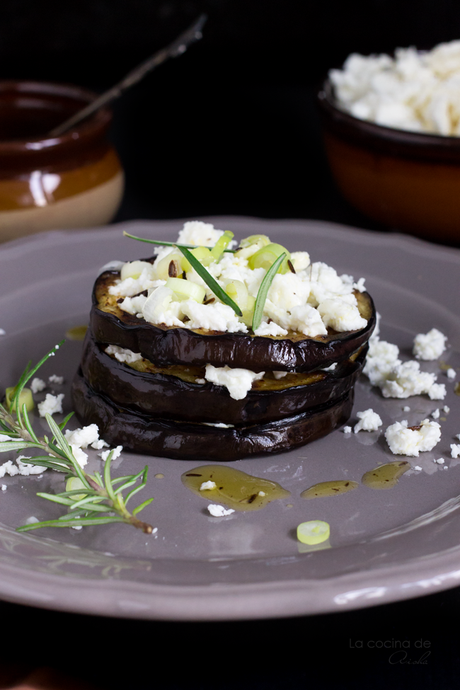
(331, 488)
(234, 488)
(385, 476)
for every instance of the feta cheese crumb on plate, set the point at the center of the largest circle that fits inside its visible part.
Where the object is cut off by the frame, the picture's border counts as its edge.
(37, 385)
(455, 450)
(116, 453)
(52, 404)
(412, 440)
(368, 421)
(429, 346)
(219, 511)
(208, 486)
(58, 380)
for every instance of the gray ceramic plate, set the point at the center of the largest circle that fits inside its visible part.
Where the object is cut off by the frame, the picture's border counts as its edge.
(385, 545)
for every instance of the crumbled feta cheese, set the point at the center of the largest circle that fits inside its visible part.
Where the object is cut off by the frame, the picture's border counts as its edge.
(446, 409)
(436, 414)
(406, 408)
(269, 327)
(22, 468)
(429, 346)
(437, 391)
(37, 385)
(347, 429)
(368, 421)
(4, 487)
(58, 380)
(381, 358)
(199, 234)
(439, 461)
(208, 486)
(52, 404)
(116, 452)
(412, 90)
(340, 315)
(404, 440)
(83, 437)
(237, 381)
(219, 511)
(28, 468)
(122, 354)
(405, 380)
(417, 467)
(455, 450)
(451, 374)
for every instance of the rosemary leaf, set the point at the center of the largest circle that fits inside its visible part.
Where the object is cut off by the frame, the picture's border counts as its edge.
(167, 244)
(263, 291)
(210, 281)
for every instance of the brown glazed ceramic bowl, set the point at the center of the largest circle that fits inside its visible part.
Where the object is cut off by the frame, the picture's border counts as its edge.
(70, 181)
(405, 180)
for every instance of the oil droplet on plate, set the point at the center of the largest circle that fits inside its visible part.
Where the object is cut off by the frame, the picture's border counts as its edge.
(385, 476)
(76, 333)
(233, 487)
(331, 488)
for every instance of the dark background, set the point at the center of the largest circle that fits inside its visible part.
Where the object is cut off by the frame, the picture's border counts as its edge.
(229, 128)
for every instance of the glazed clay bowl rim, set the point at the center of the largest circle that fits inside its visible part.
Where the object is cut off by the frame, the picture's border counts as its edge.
(399, 142)
(91, 127)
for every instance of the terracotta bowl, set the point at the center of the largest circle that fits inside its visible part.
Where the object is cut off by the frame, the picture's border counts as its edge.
(404, 180)
(71, 181)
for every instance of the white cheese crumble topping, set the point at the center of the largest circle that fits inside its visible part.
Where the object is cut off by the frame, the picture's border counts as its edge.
(413, 90)
(52, 404)
(22, 468)
(37, 385)
(455, 450)
(347, 429)
(208, 486)
(219, 511)
(122, 354)
(451, 374)
(368, 421)
(307, 301)
(58, 380)
(397, 379)
(237, 381)
(405, 440)
(429, 346)
(116, 453)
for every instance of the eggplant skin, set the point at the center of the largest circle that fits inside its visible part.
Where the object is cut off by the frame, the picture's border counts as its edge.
(163, 345)
(186, 441)
(169, 397)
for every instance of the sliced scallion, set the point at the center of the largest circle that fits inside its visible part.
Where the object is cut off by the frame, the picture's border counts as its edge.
(263, 291)
(209, 280)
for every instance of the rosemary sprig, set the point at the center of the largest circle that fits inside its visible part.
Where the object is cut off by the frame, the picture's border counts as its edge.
(100, 500)
(209, 280)
(263, 291)
(167, 244)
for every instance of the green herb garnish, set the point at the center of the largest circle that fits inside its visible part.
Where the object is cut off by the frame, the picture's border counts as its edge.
(168, 244)
(99, 501)
(263, 291)
(209, 280)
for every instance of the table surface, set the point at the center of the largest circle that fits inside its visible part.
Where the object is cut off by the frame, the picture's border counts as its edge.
(412, 643)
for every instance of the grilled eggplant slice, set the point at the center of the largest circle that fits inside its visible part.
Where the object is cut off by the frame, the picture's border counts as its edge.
(176, 345)
(187, 441)
(175, 392)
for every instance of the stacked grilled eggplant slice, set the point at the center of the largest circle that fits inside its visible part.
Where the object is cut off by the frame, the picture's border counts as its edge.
(161, 404)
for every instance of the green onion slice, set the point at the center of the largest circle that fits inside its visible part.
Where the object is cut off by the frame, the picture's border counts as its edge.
(209, 280)
(263, 291)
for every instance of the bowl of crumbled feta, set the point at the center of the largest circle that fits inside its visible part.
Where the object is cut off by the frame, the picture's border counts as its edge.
(391, 127)
(211, 350)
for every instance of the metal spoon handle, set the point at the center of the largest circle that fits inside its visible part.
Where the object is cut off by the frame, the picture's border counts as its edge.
(174, 49)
